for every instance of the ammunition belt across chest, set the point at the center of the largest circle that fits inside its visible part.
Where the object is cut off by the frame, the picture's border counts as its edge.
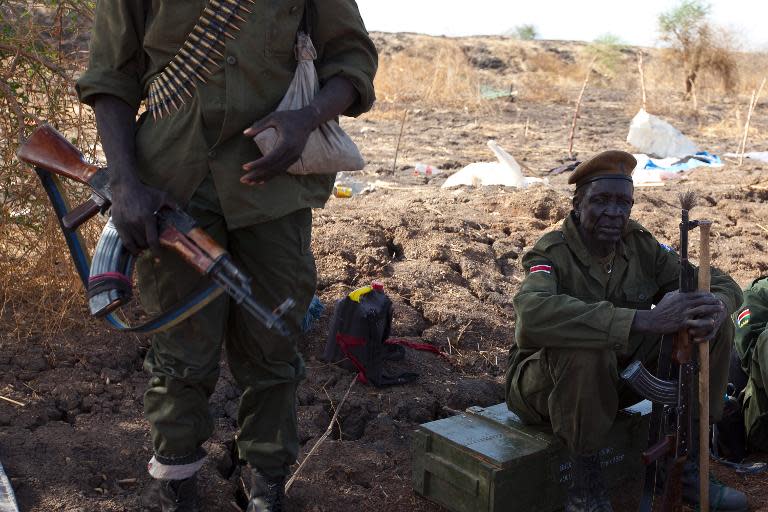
(200, 54)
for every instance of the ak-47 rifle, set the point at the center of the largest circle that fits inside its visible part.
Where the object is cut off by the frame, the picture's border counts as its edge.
(108, 278)
(671, 419)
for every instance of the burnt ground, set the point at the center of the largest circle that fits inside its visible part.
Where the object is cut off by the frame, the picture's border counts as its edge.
(449, 259)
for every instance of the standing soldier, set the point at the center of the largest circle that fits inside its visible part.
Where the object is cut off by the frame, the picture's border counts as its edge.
(210, 73)
(584, 313)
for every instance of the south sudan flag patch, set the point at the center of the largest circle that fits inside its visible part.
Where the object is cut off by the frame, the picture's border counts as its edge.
(547, 269)
(743, 318)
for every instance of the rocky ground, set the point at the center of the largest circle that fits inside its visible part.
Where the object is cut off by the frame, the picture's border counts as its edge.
(449, 259)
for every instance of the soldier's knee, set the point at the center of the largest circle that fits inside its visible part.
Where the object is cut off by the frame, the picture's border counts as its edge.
(580, 357)
(580, 360)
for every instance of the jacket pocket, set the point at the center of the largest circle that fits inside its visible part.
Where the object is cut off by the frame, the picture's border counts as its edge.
(638, 297)
(282, 28)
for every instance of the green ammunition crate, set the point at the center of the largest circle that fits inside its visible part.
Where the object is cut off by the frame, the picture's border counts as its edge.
(486, 460)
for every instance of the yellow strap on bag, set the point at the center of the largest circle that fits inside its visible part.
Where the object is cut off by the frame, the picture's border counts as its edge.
(357, 294)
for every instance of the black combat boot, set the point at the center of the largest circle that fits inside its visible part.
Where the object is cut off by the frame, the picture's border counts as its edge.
(586, 490)
(266, 494)
(173, 495)
(721, 497)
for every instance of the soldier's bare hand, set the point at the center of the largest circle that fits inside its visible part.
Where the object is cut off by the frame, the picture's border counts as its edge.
(293, 128)
(133, 214)
(676, 310)
(705, 321)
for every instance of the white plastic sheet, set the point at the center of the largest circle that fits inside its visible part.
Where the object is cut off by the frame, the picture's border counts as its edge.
(761, 156)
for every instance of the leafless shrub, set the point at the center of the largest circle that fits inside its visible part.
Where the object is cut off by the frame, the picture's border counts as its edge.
(40, 51)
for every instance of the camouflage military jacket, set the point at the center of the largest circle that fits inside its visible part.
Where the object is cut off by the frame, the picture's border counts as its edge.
(751, 319)
(133, 40)
(567, 298)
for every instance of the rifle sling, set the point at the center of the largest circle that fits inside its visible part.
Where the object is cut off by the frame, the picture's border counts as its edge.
(186, 308)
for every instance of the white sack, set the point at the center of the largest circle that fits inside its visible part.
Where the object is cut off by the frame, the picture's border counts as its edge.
(329, 149)
(654, 136)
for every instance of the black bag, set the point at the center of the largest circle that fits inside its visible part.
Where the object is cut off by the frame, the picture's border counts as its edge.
(359, 340)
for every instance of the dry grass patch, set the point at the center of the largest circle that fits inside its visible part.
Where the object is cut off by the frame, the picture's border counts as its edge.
(438, 76)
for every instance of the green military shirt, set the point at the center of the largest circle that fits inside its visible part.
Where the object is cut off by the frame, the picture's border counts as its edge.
(569, 300)
(751, 320)
(133, 40)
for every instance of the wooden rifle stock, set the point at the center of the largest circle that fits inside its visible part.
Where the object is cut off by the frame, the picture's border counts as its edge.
(50, 150)
(682, 350)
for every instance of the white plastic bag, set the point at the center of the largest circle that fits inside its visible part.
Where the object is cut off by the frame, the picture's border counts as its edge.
(506, 172)
(654, 136)
(329, 149)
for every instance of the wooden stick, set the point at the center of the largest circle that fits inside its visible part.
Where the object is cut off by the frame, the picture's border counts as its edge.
(14, 402)
(399, 137)
(322, 438)
(578, 107)
(752, 105)
(704, 281)
(642, 78)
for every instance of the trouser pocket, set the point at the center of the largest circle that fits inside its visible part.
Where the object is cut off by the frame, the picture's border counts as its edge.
(528, 385)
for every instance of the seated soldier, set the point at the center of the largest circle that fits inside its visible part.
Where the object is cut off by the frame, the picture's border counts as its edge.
(584, 314)
(752, 347)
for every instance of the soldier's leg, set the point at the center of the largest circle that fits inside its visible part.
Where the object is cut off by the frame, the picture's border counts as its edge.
(756, 397)
(266, 365)
(184, 360)
(720, 349)
(584, 401)
(573, 389)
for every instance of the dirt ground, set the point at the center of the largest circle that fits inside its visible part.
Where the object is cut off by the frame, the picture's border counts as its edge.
(449, 259)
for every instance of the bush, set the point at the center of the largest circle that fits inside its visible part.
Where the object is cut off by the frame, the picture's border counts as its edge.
(606, 51)
(699, 45)
(525, 32)
(40, 53)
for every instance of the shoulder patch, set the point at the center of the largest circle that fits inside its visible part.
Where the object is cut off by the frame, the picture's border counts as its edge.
(743, 319)
(667, 248)
(547, 269)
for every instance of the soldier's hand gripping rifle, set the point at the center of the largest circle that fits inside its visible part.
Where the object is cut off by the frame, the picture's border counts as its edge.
(108, 280)
(670, 428)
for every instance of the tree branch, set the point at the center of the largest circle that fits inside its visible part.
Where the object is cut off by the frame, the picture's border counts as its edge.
(36, 58)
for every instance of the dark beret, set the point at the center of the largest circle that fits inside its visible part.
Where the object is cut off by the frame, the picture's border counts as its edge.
(611, 164)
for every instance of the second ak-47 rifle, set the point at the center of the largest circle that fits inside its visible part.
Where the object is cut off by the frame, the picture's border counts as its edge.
(108, 277)
(671, 420)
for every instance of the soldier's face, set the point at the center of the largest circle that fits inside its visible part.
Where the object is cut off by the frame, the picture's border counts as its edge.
(604, 210)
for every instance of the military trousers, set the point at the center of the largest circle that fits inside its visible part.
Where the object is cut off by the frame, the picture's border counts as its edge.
(184, 360)
(756, 396)
(579, 391)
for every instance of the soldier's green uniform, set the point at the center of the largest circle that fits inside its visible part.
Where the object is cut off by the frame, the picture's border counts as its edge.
(573, 331)
(752, 346)
(196, 155)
